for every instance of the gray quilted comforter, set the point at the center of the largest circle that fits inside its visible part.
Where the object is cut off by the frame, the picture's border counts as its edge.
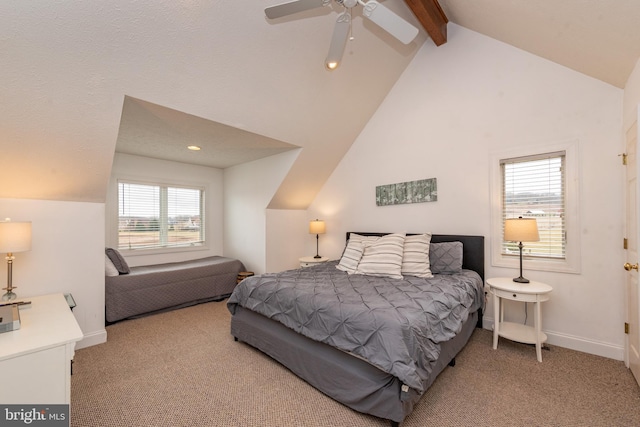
(396, 325)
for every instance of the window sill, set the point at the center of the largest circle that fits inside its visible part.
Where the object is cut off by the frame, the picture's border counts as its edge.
(556, 266)
(161, 251)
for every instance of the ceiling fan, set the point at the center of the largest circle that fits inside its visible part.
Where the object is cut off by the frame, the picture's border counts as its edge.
(376, 12)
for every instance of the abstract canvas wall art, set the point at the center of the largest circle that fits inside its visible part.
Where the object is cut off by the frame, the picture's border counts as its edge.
(423, 190)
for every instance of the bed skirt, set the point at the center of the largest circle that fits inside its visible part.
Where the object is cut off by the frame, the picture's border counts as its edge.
(353, 382)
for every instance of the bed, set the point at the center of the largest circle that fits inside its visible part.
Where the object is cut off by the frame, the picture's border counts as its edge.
(383, 339)
(148, 289)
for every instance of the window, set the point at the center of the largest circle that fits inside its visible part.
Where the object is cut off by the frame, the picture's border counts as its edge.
(159, 216)
(533, 187)
(541, 184)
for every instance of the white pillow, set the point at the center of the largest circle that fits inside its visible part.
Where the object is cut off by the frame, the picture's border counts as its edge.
(383, 257)
(351, 256)
(109, 268)
(360, 238)
(355, 247)
(415, 259)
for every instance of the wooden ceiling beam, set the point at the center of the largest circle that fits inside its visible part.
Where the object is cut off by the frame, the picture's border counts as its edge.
(432, 18)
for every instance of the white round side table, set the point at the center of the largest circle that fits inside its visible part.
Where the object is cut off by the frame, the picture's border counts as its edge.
(535, 292)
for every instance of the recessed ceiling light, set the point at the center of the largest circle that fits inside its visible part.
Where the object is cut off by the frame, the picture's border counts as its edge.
(193, 147)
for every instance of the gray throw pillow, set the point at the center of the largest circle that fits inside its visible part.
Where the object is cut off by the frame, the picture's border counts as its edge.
(446, 257)
(117, 260)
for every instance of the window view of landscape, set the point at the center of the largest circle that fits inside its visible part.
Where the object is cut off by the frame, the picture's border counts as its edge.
(153, 216)
(534, 188)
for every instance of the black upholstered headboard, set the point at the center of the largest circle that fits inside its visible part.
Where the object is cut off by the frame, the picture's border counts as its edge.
(472, 248)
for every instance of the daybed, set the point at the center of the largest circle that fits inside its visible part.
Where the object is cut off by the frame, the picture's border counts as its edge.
(151, 288)
(375, 344)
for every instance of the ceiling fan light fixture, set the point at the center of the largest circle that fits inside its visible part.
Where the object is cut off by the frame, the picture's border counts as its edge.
(386, 19)
(339, 40)
(331, 65)
(348, 3)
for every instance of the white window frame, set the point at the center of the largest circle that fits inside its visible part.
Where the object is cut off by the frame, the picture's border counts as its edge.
(571, 262)
(161, 249)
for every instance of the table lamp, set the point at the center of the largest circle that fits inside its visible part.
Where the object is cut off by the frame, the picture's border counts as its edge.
(317, 227)
(15, 236)
(521, 230)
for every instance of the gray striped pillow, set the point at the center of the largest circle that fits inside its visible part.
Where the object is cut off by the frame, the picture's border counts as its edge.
(383, 257)
(415, 261)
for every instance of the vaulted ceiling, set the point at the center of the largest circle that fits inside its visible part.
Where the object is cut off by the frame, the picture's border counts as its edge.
(598, 38)
(82, 79)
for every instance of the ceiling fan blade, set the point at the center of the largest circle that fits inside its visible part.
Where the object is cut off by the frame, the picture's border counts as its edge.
(292, 7)
(339, 40)
(390, 22)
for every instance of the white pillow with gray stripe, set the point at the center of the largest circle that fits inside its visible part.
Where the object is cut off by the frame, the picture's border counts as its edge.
(383, 257)
(360, 238)
(415, 260)
(351, 256)
(350, 263)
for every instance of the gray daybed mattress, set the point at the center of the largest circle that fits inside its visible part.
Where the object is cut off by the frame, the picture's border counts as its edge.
(151, 288)
(382, 340)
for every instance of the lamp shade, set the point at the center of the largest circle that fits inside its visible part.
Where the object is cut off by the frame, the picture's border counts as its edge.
(521, 230)
(317, 227)
(15, 236)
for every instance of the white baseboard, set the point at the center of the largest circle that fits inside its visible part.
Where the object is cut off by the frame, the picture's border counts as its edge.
(573, 342)
(92, 338)
(585, 345)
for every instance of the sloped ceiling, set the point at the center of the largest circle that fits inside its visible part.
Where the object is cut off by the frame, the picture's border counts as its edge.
(155, 131)
(68, 66)
(75, 73)
(598, 38)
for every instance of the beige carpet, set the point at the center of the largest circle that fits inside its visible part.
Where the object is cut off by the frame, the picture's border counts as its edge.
(182, 368)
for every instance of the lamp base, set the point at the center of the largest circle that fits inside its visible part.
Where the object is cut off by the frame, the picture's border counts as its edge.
(521, 280)
(317, 256)
(10, 295)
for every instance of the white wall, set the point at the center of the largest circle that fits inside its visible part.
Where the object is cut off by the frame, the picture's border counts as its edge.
(283, 241)
(147, 169)
(67, 256)
(453, 106)
(248, 189)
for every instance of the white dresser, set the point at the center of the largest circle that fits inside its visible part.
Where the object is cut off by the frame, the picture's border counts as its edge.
(35, 360)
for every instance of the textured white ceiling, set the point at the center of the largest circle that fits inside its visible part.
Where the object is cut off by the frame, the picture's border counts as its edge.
(73, 72)
(599, 38)
(151, 130)
(67, 67)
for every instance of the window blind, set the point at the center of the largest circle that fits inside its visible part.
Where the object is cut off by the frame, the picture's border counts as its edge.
(534, 187)
(159, 216)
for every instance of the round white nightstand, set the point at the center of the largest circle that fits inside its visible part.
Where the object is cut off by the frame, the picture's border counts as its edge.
(535, 292)
(308, 261)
